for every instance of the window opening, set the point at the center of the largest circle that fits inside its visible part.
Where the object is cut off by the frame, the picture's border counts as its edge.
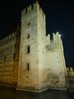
(28, 49)
(28, 36)
(5, 58)
(28, 66)
(14, 56)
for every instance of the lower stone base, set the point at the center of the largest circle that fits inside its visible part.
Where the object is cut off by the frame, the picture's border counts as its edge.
(41, 90)
(32, 90)
(59, 88)
(37, 91)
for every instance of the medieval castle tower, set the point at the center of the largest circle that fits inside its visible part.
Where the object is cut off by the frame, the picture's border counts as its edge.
(29, 59)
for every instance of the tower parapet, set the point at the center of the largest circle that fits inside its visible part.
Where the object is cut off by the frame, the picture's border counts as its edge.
(7, 39)
(57, 40)
(30, 8)
(31, 54)
(48, 39)
(70, 71)
(56, 37)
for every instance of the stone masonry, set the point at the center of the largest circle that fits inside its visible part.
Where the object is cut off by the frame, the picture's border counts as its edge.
(29, 59)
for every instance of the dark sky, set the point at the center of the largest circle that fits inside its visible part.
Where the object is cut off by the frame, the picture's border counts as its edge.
(59, 17)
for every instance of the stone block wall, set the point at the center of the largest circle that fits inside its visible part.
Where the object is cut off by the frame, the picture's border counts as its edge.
(9, 56)
(29, 59)
(55, 61)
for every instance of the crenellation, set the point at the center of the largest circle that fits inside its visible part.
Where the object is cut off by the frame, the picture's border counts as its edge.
(8, 39)
(57, 33)
(70, 72)
(48, 41)
(44, 16)
(54, 37)
(71, 69)
(29, 8)
(36, 5)
(7, 59)
(57, 41)
(24, 11)
(33, 60)
(48, 37)
(58, 36)
(42, 13)
(13, 35)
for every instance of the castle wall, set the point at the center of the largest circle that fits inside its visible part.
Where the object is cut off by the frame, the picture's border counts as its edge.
(8, 60)
(42, 65)
(55, 61)
(30, 59)
(28, 64)
(32, 79)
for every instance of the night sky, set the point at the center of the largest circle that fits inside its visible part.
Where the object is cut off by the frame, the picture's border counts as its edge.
(59, 17)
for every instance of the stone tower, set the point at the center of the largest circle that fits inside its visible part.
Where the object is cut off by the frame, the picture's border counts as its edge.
(32, 49)
(55, 61)
(41, 60)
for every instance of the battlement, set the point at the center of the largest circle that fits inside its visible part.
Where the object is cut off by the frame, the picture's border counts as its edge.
(55, 42)
(48, 39)
(32, 7)
(56, 36)
(70, 69)
(70, 72)
(7, 39)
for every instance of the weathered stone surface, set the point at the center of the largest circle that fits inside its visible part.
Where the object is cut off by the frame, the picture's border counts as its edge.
(29, 58)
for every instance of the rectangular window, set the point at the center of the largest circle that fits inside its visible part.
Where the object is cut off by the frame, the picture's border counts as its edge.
(28, 49)
(5, 58)
(14, 56)
(27, 66)
(28, 36)
(15, 45)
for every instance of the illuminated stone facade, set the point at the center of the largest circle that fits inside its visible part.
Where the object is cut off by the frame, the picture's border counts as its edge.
(9, 58)
(31, 60)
